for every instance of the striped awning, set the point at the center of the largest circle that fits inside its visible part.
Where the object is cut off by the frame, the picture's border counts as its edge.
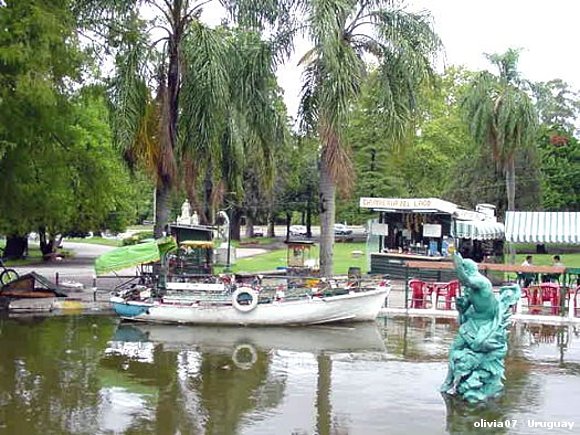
(480, 230)
(542, 227)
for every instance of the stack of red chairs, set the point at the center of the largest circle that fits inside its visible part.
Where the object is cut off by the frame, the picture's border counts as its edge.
(449, 291)
(418, 293)
(548, 292)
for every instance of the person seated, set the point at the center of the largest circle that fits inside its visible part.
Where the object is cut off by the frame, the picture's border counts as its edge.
(528, 278)
(556, 262)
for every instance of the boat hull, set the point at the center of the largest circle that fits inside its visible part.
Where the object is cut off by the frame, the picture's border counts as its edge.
(352, 307)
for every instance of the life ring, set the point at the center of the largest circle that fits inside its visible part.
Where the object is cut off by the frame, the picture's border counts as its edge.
(245, 299)
(245, 365)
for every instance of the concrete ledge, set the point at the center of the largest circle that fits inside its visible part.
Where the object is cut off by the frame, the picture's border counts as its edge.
(452, 314)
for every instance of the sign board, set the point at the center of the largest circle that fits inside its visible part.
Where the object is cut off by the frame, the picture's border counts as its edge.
(424, 205)
(379, 229)
(432, 230)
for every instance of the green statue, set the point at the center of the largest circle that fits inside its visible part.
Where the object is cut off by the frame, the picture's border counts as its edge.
(476, 359)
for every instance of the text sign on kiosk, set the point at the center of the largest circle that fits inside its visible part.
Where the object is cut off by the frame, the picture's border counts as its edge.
(411, 204)
(432, 230)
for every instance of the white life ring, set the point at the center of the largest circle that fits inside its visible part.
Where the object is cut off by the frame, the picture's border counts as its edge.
(245, 365)
(246, 304)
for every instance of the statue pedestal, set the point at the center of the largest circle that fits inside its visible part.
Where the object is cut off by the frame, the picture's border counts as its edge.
(221, 255)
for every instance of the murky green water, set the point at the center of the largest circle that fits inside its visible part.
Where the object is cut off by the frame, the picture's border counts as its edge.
(90, 375)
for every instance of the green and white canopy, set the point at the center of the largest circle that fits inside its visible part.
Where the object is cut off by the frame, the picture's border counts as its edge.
(480, 230)
(542, 227)
(134, 255)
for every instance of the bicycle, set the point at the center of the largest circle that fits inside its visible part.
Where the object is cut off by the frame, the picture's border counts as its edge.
(7, 275)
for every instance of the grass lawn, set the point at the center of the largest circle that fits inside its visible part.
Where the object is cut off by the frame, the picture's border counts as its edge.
(95, 241)
(271, 260)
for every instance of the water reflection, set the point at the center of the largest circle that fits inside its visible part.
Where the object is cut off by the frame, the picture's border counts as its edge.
(86, 375)
(225, 373)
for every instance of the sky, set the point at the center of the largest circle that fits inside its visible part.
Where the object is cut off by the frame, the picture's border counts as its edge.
(547, 32)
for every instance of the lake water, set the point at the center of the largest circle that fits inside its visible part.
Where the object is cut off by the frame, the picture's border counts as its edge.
(92, 375)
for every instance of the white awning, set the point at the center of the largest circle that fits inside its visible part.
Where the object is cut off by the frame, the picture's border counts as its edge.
(542, 227)
(480, 230)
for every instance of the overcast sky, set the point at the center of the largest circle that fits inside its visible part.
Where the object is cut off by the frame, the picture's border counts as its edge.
(547, 32)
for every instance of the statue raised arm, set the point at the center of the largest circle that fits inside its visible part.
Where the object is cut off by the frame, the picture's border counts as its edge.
(476, 358)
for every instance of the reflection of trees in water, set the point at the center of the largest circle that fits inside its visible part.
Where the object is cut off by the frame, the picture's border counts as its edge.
(48, 373)
(419, 338)
(212, 398)
(228, 391)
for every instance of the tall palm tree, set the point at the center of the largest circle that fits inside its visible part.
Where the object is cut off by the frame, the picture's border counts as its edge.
(501, 115)
(213, 93)
(345, 33)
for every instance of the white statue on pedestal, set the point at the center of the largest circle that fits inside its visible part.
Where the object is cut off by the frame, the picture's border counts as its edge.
(185, 217)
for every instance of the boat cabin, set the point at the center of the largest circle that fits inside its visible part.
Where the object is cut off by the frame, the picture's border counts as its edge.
(299, 261)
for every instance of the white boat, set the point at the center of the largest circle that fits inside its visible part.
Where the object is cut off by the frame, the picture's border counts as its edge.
(233, 300)
(245, 306)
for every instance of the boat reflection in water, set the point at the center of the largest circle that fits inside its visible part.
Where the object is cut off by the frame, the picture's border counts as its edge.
(209, 379)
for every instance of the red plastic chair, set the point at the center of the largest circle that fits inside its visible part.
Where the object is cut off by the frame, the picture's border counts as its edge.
(449, 291)
(417, 293)
(551, 293)
(544, 292)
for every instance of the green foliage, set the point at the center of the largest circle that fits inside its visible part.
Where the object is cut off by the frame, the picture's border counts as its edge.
(501, 115)
(560, 172)
(55, 140)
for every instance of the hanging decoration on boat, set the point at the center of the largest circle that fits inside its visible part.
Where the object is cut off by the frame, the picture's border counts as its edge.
(477, 355)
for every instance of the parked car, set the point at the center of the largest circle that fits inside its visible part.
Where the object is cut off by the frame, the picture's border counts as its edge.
(258, 232)
(341, 230)
(298, 230)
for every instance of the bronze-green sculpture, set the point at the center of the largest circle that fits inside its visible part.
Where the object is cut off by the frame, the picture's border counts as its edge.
(476, 359)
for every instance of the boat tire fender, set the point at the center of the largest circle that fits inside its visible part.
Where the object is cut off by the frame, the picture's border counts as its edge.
(245, 299)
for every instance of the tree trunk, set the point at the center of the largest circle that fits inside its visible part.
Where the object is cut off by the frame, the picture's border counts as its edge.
(249, 226)
(271, 225)
(510, 184)
(510, 187)
(327, 211)
(46, 244)
(207, 218)
(288, 221)
(308, 219)
(162, 197)
(236, 223)
(16, 247)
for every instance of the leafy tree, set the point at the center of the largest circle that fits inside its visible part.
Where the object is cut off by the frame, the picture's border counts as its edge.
(39, 62)
(80, 185)
(501, 115)
(213, 95)
(342, 32)
(560, 166)
(558, 106)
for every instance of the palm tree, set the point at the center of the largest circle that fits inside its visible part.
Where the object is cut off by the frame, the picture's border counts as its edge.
(501, 115)
(345, 33)
(214, 97)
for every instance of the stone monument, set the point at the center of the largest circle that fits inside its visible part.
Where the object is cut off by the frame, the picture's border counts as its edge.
(185, 217)
(476, 359)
